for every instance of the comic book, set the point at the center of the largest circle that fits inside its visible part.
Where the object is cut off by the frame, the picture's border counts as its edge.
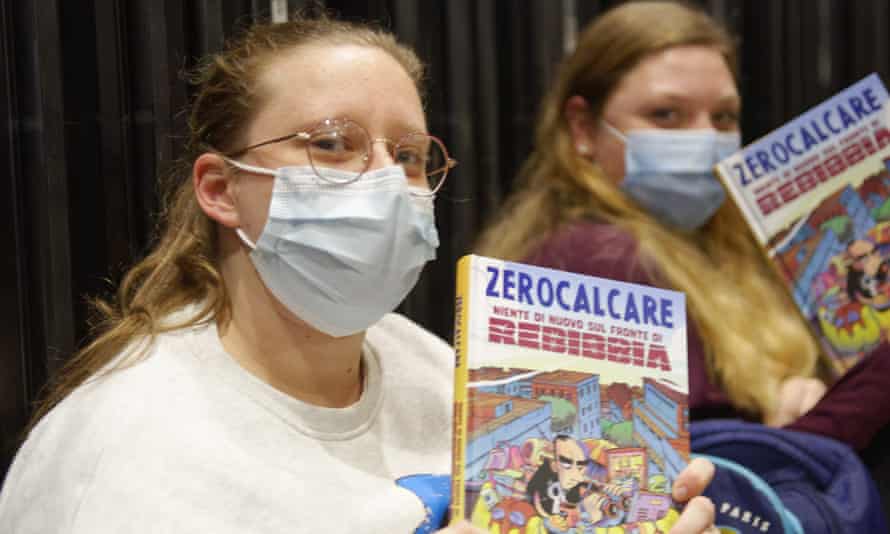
(816, 195)
(570, 411)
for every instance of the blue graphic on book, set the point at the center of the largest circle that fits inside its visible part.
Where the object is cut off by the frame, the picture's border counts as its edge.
(838, 262)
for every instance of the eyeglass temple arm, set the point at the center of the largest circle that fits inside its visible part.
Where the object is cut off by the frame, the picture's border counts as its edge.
(301, 135)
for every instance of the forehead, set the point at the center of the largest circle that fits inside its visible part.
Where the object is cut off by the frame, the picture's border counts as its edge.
(698, 74)
(568, 448)
(310, 83)
(858, 247)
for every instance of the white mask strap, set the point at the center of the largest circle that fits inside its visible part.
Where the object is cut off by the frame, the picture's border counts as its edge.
(251, 168)
(614, 131)
(246, 240)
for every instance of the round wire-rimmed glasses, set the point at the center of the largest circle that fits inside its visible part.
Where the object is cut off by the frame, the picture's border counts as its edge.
(346, 145)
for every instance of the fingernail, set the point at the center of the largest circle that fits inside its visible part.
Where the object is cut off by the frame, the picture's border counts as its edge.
(680, 492)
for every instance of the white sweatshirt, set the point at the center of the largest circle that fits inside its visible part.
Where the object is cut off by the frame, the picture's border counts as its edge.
(186, 440)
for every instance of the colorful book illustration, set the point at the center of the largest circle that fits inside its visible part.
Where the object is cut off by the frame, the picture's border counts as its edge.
(570, 411)
(816, 194)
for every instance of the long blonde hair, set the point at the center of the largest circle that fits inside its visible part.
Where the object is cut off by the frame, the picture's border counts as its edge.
(753, 336)
(182, 268)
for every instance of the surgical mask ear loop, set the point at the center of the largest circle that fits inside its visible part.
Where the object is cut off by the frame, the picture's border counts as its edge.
(244, 239)
(614, 131)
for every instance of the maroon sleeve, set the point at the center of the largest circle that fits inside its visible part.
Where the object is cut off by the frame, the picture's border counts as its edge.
(603, 250)
(857, 406)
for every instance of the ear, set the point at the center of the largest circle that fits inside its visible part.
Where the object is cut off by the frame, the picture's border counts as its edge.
(577, 114)
(214, 185)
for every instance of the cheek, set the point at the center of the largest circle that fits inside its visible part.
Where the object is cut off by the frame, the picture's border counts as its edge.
(254, 195)
(610, 157)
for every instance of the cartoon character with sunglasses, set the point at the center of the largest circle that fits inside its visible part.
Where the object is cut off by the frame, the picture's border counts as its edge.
(559, 485)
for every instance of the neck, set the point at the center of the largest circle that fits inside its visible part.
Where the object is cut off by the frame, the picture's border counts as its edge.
(270, 342)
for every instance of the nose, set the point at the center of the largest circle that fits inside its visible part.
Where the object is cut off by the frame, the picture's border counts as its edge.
(381, 153)
(703, 121)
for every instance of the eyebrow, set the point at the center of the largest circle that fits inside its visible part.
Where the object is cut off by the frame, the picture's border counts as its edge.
(568, 460)
(677, 96)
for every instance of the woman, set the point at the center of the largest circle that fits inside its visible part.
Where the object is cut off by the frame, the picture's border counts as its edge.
(620, 186)
(248, 376)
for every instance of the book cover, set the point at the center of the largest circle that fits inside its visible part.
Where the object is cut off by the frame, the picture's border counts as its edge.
(571, 410)
(816, 194)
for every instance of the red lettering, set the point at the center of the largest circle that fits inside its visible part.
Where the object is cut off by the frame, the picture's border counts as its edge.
(807, 181)
(529, 335)
(573, 342)
(882, 137)
(619, 350)
(553, 339)
(868, 145)
(501, 331)
(658, 358)
(788, 192)
(593, 346)
(769, 203)
(853, 154)
(821, 173)
(576, 343)
(638, 354)
(835, 165)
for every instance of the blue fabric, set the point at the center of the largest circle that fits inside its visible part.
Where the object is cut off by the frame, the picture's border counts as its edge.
(786, 482)
(435, 493)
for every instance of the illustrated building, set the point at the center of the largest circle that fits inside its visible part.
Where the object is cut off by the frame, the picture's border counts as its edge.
(497, 419)
(661, 420)
(580, 389)
(505, 382)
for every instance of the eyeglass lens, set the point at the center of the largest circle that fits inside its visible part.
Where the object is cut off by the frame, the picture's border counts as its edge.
(343, 144)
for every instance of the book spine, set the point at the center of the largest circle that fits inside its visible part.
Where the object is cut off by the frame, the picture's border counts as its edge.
(461, 372)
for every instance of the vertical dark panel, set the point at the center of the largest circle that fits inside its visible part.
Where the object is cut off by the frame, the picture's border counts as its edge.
(139, 87)
(167, 44)
(114, 133)
(47, 199)
(209, 22)
(14, 313)
(89, 239)
(868, 42)
(762, 68)
(489, 114)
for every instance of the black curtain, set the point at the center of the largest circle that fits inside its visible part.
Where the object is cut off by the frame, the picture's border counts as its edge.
(91, 98)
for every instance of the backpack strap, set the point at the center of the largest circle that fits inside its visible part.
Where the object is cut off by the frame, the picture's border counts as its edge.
(790, 523)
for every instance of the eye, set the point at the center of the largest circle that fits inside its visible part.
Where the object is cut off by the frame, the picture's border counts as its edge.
(726, 120)
(330, 143)
(412, 159)
(666, 117)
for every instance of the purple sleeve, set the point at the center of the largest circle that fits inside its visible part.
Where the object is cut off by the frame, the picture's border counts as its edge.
(608, 252)
(857, 406)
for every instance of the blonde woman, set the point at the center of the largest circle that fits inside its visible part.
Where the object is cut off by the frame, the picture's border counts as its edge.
(620, 185)
(249, 376)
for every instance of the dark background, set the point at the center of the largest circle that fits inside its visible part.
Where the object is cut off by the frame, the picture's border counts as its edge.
(91, 99)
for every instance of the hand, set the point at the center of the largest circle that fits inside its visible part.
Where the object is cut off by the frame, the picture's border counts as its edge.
(797, 395)
(698, 516)
(461, 527)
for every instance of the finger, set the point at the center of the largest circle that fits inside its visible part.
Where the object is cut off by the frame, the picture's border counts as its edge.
(788, 403)
(813, 394)
(693, 480)
(697, 518)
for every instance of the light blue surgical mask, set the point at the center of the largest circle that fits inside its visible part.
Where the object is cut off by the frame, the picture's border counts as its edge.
(670, 172)
(341, 253)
